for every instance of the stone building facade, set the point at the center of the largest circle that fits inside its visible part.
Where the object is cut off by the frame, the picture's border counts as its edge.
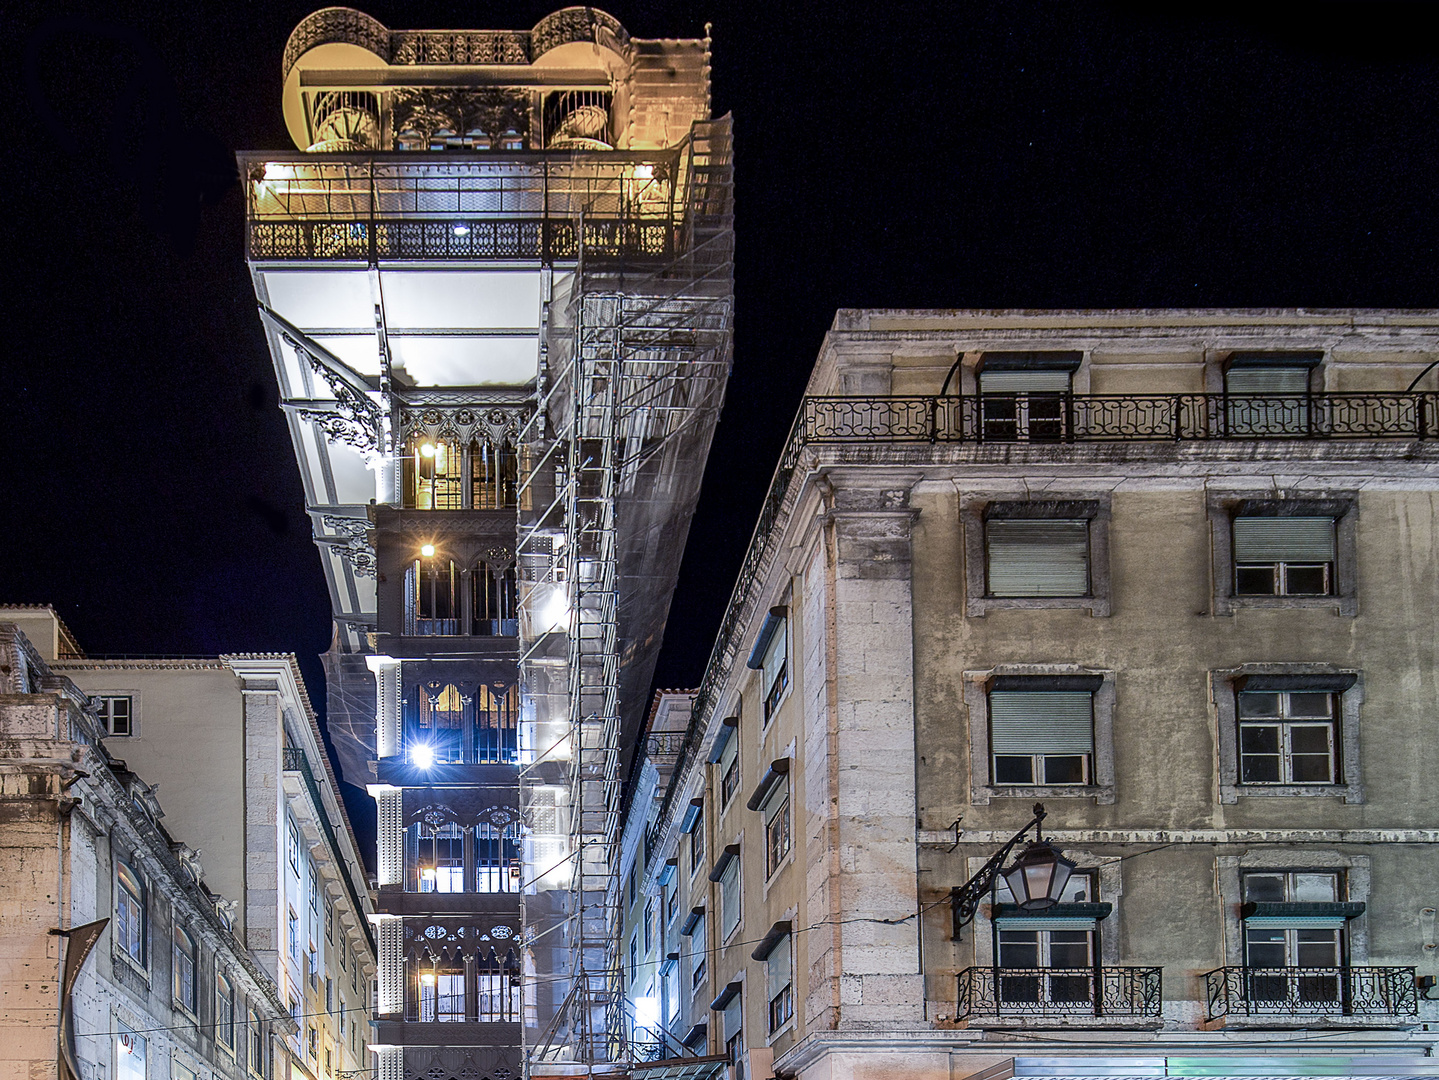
(236, 747)
(1170, 574)
(170, 989)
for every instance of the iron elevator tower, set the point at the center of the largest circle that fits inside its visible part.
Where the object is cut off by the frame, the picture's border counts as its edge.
(497, 284)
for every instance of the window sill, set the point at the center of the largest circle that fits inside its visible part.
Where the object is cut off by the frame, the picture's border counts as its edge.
(1340, 605)
(978, 606)
(787, 1028)
(1350, 793)
(778, 870)
(1102, 794)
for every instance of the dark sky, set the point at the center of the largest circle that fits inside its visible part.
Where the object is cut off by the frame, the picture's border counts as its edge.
(1015, 154)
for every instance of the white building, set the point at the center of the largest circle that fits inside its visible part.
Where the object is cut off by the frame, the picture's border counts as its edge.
(235, 746)
(170, 991)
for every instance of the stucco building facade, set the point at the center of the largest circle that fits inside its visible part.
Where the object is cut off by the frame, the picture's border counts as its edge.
(1170, 574)
(168, 988)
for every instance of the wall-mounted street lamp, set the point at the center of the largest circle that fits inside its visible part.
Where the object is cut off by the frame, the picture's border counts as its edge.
(1036, 880)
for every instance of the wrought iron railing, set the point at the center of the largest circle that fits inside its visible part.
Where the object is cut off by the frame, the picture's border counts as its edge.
(526, 238)
(1060, 418)
(1133, 992)
(1310, 991)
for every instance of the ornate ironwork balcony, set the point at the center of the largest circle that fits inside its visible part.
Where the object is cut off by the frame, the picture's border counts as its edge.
(1061, 418)
(1307, 992)
(1017, 993)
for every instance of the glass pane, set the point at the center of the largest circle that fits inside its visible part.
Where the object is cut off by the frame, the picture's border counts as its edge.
(1306, 580)
(1259, 769)
(1010, 769)
(1316, 887)
(1310, 704)
(1254, 580)
(1068, 948)
(1257, 704)
(1317, 948)
(1068, 769)
(1265, 948)
(1264, 888)
(1019, 948)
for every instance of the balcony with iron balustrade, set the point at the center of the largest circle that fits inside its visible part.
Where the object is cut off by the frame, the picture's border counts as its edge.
(1105, 997)
(1341, 997)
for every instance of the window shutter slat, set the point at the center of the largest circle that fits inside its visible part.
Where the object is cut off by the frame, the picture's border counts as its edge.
(1046, 722)
(729, 897)
(1038, 558)
(1283, 539)
(774, 657)
(1267, 380)
(1022, 382)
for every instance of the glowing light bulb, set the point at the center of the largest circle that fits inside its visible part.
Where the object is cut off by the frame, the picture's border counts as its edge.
(427, 550)
(423, 755)
(644, 172)
(462, 230)
(427, 449)
(427, 980)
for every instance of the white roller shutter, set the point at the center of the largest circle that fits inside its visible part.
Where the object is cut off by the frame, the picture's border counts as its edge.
(778, 968)
(1279, 381)
(1024, 382)
(1038, 557)
(1041, 722)
(1283, 539)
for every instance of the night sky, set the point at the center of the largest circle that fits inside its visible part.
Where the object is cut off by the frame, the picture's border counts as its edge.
(953, 155)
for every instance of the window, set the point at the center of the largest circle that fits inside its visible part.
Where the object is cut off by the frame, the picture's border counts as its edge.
(314, 875)
(1309, 937)
(770, 657)
(729, 884)
(775, 671)
(1025, 396)
(257, 1045)
(1042, 737)
(1035, 949)
(1036, 554)
(1288, 729)
(182, 958)
(329, 921)
(432, 471)
(294, 845)
(442, 996)
(1040, 730)
(329, 1063)
(342, 953)
(130, 913)
(130, 1052)
(779, 979)
(1287, 738)
(776, 827)
(734, 1031)
(294, 936)
(1284, 556)
(312, 967)
(1267, 394)
(698, 953)
(1293, 552)
(649, 925)
(1037, 557)
(729, 765)
(672, 904)
(634, 882)
(179, 1070)
(224, 1011)
(312, 1042)
(634, 958)
(441, 857)
(329, 995)
(117, 714)
(697, 843)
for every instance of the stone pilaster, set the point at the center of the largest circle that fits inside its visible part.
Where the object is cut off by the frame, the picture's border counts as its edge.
(863, 782)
